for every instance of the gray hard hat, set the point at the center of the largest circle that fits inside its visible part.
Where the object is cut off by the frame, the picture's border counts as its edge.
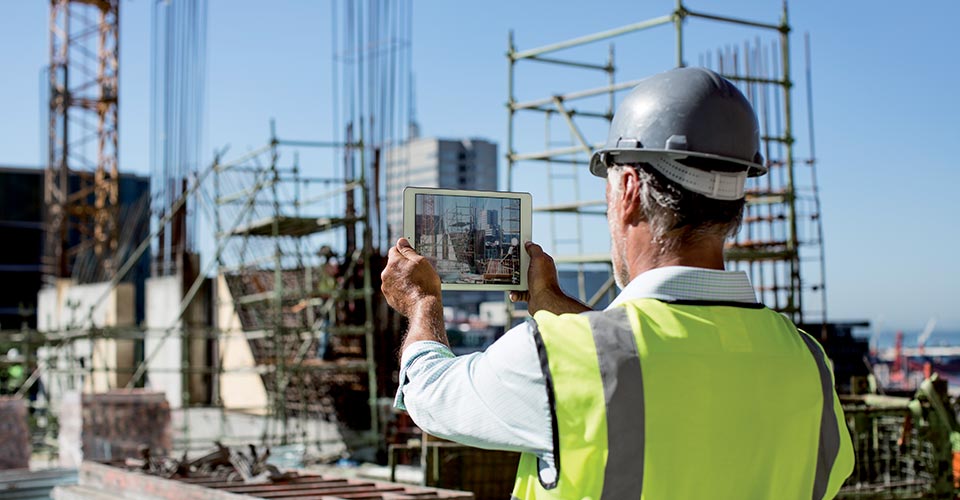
(684, 113)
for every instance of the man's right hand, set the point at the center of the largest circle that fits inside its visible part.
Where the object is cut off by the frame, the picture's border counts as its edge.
(543, 287)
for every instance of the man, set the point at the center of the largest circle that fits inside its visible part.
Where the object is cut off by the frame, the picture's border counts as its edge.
(685, 387)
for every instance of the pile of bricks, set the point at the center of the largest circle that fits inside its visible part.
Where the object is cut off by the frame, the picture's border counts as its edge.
(118, 424)
(14, 434)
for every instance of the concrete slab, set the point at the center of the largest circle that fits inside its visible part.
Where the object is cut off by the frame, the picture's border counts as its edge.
(79, 492)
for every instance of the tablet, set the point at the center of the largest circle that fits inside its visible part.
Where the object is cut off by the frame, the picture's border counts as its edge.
(474, 239)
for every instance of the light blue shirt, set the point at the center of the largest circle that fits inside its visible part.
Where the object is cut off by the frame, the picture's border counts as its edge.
(497, 399)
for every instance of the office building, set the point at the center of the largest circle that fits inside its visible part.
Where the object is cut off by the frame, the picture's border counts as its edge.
(433, 162)
(21, 229)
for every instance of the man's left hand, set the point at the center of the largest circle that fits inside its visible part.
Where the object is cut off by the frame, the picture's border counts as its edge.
(408, 280)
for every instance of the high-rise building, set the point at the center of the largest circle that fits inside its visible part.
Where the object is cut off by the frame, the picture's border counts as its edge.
(22, 231)
(433, 162)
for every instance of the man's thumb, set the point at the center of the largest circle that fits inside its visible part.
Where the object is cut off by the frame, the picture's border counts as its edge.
(533, 250)
(404, 247)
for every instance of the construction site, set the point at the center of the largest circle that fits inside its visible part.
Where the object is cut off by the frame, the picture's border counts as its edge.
(216, 329)
(470, 239)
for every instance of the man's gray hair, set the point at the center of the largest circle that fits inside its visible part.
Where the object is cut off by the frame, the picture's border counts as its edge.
(677, 216)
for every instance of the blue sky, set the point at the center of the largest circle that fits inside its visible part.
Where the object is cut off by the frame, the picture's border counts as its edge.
(885, 100)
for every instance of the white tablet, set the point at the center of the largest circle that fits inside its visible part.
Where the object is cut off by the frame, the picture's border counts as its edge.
(474, 239)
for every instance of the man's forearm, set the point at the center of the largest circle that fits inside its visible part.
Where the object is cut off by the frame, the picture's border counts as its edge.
(558, 303)
(426, 323)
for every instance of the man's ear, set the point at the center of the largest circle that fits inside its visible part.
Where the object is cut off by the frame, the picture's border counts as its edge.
(629, 199)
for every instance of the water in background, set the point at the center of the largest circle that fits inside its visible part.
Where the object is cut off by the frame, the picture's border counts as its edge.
(886, 339)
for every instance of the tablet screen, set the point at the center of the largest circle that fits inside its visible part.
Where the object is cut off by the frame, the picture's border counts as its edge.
(469, 239)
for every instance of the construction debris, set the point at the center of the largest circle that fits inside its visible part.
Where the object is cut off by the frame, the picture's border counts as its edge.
(14, 434)
(225, 463)
(120, 424)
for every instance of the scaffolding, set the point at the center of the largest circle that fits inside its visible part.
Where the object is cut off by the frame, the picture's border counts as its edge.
(308, 315)
(293, 288)
(782, 224)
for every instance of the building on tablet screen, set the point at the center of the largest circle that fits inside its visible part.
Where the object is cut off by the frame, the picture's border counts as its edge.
(469, 239)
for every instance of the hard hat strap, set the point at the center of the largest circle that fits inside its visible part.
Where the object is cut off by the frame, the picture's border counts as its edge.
(712, 184)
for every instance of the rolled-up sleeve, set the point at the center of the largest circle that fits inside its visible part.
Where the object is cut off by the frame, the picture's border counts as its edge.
(494, 399)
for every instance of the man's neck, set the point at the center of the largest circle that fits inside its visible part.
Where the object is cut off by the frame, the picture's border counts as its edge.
(703, 256)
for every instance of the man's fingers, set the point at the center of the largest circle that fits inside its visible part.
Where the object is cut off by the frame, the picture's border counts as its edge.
(519, 296)
(536, 253)
(393, 254)
(403, 246)
(533, 250)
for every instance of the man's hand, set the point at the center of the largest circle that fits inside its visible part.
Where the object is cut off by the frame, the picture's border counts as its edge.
(412, 287)
(409, 281)
(543, 287)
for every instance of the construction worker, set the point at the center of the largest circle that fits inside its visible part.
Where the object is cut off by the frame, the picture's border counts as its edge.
(14, 371)
(685, 386)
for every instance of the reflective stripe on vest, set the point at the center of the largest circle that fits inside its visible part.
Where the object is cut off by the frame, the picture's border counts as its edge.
(604, 446)
(829, 445)
(623, 393)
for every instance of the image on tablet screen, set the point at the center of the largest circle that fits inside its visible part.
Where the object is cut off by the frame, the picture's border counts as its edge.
(469, 239)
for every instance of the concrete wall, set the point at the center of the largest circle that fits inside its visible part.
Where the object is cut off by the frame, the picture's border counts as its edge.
(163, 344)
(108, 363)
(68, 435)
(241, 388)
(166, 348)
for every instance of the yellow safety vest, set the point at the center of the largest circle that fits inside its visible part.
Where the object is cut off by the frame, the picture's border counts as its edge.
(687, 400)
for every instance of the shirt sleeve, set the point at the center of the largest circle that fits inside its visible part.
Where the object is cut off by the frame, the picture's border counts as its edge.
(494, 399)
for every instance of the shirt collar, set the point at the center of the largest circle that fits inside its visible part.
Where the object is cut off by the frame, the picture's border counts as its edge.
(673, 283)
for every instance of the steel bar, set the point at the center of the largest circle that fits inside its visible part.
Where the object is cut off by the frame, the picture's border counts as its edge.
(549, 154)
(794, 299)
(774, 138)
(573, 112)
(568, 161)
(188, 296)
(573, 126)
(752, 79)
(145, 244)
(583, 40)
(573, 207)
(576, 95)
(576, 64)
(605, 288)
(511, 110)
(813, 176)
(734, 20)
(599, 258)
(331, 193)
(244, 194)
(240, 161)
(317, 144)
(678, 17)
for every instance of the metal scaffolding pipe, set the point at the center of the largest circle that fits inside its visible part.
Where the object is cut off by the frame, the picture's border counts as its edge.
(575, 64)
(734, 20)
(549, 154)
(574, 112)
(596, 37)
(317, 144)
(753, 79)
(580, 94)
